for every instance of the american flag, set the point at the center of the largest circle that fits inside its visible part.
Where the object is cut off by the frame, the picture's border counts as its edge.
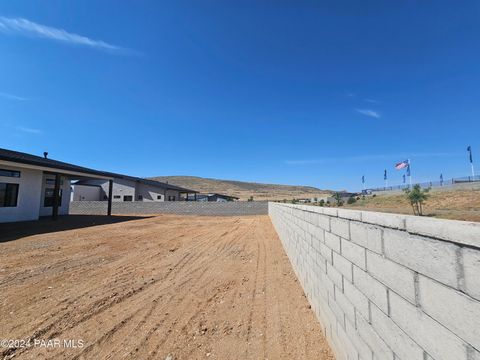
(402, 165)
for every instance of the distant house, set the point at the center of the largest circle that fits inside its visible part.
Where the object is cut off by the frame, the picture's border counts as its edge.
(213, 197)
(129, 188)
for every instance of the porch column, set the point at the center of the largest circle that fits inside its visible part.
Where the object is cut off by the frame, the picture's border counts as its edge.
(110, 195)
(56, 197)
(195, 196)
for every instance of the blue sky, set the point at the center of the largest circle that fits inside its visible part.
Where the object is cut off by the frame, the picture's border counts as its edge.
(296, 92)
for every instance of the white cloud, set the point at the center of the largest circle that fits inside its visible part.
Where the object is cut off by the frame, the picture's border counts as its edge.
(29, 130)
(371, 101)
(12, 97)
(369, 112)
(29, 28)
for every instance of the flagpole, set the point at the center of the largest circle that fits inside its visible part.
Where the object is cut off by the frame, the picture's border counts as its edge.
(469, 149)
(410, 173)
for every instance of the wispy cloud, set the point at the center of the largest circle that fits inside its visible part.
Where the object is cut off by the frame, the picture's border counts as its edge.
(371, 101)
(26, 27)
(369, 158)
(29, 130)
(12, 97)
(305, 162)
(369, 112)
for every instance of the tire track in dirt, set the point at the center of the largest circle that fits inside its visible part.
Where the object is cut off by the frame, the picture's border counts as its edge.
(187, 286)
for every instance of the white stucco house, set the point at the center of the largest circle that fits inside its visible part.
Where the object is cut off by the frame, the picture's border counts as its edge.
(129, 188)
(33, 186)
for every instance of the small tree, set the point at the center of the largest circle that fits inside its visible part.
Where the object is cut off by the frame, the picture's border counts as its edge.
(338, 198)
(322, 202)
(250, 198)
(351, 200)
(417, 196)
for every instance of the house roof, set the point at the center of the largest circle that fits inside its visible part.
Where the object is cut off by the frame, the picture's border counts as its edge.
(24, 158)
(223, 195)
(155, 183)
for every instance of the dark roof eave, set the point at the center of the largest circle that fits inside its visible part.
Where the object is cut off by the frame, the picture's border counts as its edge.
(28, 159)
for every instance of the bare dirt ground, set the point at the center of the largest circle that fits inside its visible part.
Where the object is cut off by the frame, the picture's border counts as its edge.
(458, 204)
(164, 287)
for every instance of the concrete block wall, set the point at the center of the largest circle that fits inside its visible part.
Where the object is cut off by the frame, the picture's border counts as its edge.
(386, 286)
(171, 207)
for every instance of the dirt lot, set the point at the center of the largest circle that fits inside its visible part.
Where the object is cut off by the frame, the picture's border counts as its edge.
(458, 204)
(164, 287)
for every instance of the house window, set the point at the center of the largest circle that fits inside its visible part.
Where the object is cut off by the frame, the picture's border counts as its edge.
(8, 195)
(52, 181)
(127, 198)
(140, 197)
(171, 197)
(9, 173)
(48, 199)
(159, 197)
(117, 197)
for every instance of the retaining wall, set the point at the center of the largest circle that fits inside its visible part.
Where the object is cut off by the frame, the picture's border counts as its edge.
(387, 286)
(171, 207)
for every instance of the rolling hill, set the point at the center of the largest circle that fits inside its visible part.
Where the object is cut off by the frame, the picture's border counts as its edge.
(244, 190)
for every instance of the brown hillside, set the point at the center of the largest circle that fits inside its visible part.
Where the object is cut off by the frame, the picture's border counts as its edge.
(244, 190)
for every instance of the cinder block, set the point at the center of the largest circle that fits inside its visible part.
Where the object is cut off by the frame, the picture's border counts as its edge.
(371, 288)
(347, 343)
(323, 222)
(359, 300)
(332, 241)
(330, 211)
(368, 236)
(337, 310)
(345, 305)
(401, 344)
(335, 276)
(340, 227)
(354, 253)
(433, 258)
(397, 277)
(457, 231)
(343, 266)
(383, 219)
(319, 234)
(471, 266)
(349, 214)
(457, 312)
(380, 350)
(363, 349)
(437, 340)
(326, 252)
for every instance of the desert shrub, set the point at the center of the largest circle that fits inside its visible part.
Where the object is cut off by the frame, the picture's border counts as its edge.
(351, 200)
(338, 198)
(417, 196)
